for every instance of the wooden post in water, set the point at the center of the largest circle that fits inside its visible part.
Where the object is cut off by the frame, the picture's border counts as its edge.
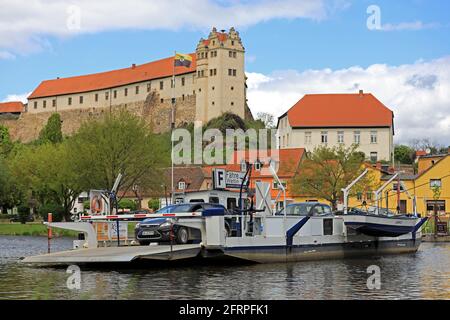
(49, 230)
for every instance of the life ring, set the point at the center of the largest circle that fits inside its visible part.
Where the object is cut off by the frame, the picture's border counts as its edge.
(96, 204)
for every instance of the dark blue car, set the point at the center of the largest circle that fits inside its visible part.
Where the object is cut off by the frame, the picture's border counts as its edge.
(160, 229)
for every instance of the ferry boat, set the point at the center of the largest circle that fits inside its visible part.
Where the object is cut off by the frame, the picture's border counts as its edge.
(260, 236)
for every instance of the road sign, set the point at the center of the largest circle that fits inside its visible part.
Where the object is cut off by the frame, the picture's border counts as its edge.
(227, 179)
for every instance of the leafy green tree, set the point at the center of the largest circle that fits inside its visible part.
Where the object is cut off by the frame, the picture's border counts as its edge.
(6, 144)
(122, 143)
(403, 154)
(11, 194)
(327, 170)
(52, 132)
(49, 174)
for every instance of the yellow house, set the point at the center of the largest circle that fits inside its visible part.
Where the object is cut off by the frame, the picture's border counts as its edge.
(434, 171)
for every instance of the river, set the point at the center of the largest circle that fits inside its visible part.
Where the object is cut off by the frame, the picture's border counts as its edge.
(424, 275)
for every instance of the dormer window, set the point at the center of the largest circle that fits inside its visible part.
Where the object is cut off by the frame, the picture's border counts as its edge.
(181, 185)
(258, 165)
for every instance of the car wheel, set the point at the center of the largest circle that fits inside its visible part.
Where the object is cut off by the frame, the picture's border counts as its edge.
(182, 236)
(144, 243)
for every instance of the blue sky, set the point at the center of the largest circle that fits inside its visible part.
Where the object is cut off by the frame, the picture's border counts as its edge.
(279, 37)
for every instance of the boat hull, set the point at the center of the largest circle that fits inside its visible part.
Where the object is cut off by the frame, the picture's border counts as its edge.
(379, 226)
(268, 254)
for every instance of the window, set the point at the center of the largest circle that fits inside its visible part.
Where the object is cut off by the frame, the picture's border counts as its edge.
(172, 83)
(106, 95)
(340, 136)
(181, 185)
(81, 99)
(230, 54)
(287, 139)
(161, 85)
(232, 103)
(70, 101)
(232, 88)
(137, 89)
(374, 156)
(234, 72)
(324, 137)
(44, 104)
(115, 94)
(440, 205)
(308, 137)
(162, 100)
(435, 183)
(359, 196)
(212, 88)
(258, 165)
(327, 227)
(232, 42)
(35, 104)
(357, 137)
(230, 72)
(234, 54)
(231, 203)
(96, 97)
(275, 185)
(182, 97)
(214, 200)
(54, 103)
(373, 137)
(215, 72)
(210, 72)
(126, 92)
(213, 103)
(148, 87)
(182, 82)
(369, 195)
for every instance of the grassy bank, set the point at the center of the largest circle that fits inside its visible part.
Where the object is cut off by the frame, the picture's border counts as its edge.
(32, 229)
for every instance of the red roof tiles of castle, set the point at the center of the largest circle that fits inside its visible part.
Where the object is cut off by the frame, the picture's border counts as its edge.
(105, 80)
(220, 36)
(340, 110)
(11, 107)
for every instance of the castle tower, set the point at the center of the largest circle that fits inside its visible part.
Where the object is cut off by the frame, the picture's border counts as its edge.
(220, 78)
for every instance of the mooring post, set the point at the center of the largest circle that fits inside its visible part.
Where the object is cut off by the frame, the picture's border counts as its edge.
(49, 231)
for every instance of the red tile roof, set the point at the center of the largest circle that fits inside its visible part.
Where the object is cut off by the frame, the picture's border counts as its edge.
(11, 107)
(220, 36)
(105, 80)
(289, 161)
(340, 110)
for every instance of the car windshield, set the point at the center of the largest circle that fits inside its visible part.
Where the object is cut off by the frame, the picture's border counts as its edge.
(298, 209)
(176, 208)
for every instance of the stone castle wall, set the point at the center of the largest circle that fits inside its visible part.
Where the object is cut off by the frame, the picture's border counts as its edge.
(27, 127)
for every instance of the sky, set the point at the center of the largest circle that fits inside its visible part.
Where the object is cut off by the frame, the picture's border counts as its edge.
(397, 50)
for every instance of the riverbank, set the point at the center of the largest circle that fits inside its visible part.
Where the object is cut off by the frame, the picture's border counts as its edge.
(32, 229)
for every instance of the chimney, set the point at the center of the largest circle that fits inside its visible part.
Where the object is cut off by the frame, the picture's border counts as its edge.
(361, 93)
(133, 66)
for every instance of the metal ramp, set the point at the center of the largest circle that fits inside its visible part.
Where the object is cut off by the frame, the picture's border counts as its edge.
(118, 254)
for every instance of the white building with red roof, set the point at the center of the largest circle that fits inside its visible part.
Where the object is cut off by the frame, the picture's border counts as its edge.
(334, 119)
(215, 80)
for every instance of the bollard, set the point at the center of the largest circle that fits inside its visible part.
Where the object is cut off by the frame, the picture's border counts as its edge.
(49, 230)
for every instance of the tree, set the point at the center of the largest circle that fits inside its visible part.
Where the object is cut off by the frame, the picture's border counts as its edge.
(122, 143)
(10, 193)
(153, 204)
(51, 132)
(328, 170)
(403, 154)
(49, 174)
(424, 144)
(267, 118)
(6, 144)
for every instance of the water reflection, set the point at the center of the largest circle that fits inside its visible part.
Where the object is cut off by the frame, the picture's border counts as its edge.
(424, 275)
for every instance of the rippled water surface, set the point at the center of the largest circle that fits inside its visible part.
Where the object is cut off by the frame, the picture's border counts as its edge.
(424, 275)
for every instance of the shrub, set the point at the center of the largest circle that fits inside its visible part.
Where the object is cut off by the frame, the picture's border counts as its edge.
(153, 204)
(56, 210)
(23, 213)
(127, 204)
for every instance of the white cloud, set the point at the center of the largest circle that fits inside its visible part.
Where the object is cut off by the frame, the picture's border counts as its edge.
(6, 55)
(17, 97)
(412, 26)
(25, 25)
(419, 93)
